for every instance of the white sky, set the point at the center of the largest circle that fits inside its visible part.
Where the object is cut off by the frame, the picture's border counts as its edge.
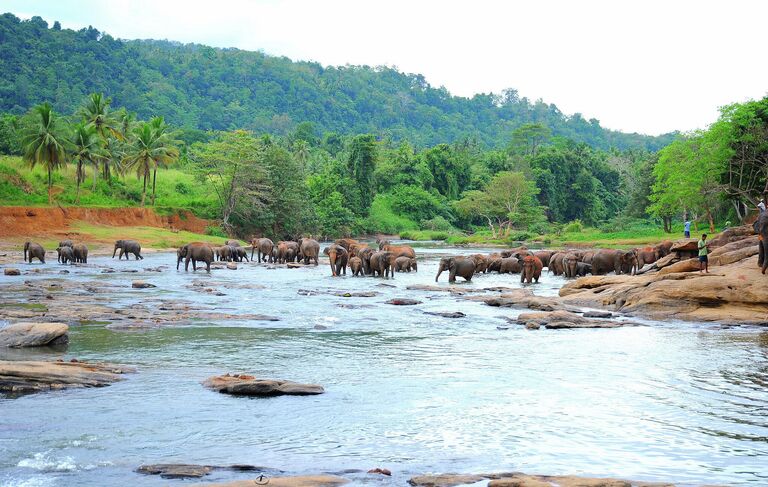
(644, 66)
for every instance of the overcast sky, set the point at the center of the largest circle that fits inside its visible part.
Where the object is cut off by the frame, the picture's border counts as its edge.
(639, 66)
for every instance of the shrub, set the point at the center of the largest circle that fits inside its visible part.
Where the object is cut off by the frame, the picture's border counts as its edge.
(182, 188)
(573, 227)
(215, 231)
(437, 223)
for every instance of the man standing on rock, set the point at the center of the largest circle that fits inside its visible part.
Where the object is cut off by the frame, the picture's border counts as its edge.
(703, 257)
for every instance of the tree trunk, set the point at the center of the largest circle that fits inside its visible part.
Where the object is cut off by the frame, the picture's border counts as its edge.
(77, 177)
(144, 191)
(667, 224)
(711, 221)
(95, 175)
(50, 187)
(154, 181)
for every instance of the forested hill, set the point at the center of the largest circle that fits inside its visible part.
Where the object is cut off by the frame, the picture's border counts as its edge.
(196, 86)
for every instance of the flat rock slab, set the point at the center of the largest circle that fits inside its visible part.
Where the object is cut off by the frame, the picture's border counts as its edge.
(446, 314)
(403, 301)
(36, 376)
(523, 298)
(516, 479)
(141, 285)
(341, 294)
(8, 271)
(248, 385)
(558, 320)
(191, 471)
(298, 481)
(34, 335)
(597, 314)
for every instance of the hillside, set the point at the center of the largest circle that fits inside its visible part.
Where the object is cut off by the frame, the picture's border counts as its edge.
(200, 87)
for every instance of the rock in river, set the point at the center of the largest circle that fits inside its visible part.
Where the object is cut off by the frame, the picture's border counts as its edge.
(8, 271)
(298, 481)
(192, 471)
(516, 479)
(34, 335)
(403, 301)
(141, 285)
(33, 376)
(248, 385)
(557, 320)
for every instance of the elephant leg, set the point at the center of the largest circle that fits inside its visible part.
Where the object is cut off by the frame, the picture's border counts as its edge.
(761, 254)
(765, 255)
(208, 266)
(194, 265)
(186, 265)
(452, 275)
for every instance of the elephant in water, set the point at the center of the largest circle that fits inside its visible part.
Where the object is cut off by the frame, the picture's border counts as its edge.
(405, 264)
(66, 254)
(309, 249)
(570, 263)
(64, 243)
(338, 256)
(456, 266)
(127, 247)
(81, 253)
(356, 266)
(618, 261)
(33, 250)
(196, 252)
(532, 267)
(263, 248)
(381, 264)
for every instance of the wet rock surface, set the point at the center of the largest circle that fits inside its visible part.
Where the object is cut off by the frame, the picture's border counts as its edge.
(141, 285)
(446, 314)
(524, 299)
(192, 471)
(516, 479)
(295, 481)
(403, 302)
(36, 376)
(10, 271)
(557, 320)
(22, 335)
(248, 385)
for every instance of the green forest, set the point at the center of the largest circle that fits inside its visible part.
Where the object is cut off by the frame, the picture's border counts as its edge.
(344, 151)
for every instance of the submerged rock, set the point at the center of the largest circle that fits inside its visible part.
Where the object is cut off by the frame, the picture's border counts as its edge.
(36, 376)
(516, 479)
(8, 271)
(297, 481)
(557, 320)
(34, 335)
(446, 314)
(231, 266)
(248, 385)
(403, 301)
(523, 298)
(141, 285)
(191, 471)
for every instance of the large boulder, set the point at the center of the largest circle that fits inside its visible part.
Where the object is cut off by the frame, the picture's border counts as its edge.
(557, 320)
(34, 335)
(734, 293)
(248, 385)
(523, 298)
(36, 376)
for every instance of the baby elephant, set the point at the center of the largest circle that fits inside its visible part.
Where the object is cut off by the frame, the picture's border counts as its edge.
(356, 266)
(81, 253)
(66, 254)
(405, 264)
(532, 266)
(34, 250)
(456, 266)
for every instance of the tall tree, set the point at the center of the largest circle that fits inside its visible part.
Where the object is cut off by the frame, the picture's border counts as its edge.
(149, 148)
(86, 151)
(96, 112)
(170, 153)
(45, 142)
(362, 164)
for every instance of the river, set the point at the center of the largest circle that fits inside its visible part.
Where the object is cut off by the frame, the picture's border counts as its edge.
(408, 391)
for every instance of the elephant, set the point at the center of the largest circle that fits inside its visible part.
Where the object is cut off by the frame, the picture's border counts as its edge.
(664, 248)
(570, 261)
(761, 228)
(629, 262)
(34, 250)
(398, 250)
(127, 247)
(356, 266)
(292, 253)
(543, 256)
(355, 248)
(381, 264)
(510, 265)
(532, 267)
(196, 252)
(493, 263)
(646, 255)
(347, 243)
(338, 257)
(513, 252)
(81, 253)
(225, 253)
(309, 249)
(456, 266)
(481, 263)
(405, 264)
(239, 253)
(607, 260)
(66, 254)
(285, 252)
(582, 269)
(365, 255)
(232, 243)
(64, 243)
(556, 263)
(586, 257)
(263, 248)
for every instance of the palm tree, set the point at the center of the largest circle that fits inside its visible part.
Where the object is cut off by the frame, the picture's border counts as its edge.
(96, 113)
(164, 138)
(86, 151)
(45, 142)
(150, 147)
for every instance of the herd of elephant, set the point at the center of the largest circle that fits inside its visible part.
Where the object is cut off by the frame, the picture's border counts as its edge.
(385, 259)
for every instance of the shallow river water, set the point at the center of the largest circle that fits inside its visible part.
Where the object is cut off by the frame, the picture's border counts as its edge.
(405, 390)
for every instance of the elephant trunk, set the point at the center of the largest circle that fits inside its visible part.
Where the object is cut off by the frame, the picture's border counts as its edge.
(332, 259)
(439, 271)
(114, 251)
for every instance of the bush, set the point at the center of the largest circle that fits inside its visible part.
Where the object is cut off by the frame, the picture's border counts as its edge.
(383, 219)
(573, 227)
(520, 237)
(437, 223)
(182, 188)
(215, 231)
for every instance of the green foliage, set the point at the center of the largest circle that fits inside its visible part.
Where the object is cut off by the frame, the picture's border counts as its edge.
(215, 231)
(383, 219)
(199, 87)
(361, 165)
(437, 223)
(424, 235)
(574, 226)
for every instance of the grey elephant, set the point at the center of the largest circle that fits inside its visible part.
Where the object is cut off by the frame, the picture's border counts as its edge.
(127, 247)
(618, 261)
(582, 269)
(225, 253)
(239, 253)
(338, 257)
(64, 243)
(196, 252)
(81, 253)
(457, 266)
(309, 249)
(510, 265)
(405, 264)
(66, 254)
(381, 264)
(570, 263)
(356, 266)
(263, 247)
(365, 256)
(33, 250)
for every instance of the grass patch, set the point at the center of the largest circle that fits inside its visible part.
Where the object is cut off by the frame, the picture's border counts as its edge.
(424, 235)
(160, 238)
(28, 306)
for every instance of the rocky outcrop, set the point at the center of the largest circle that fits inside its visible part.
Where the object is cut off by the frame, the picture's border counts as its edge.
(523, 299)
(34, 335)
(298, 481)
(191, 471)
(558, 320)
(403, 301)
(734, 293)
(248, 385)
(516, 479)
(141, 285)
(36, 376)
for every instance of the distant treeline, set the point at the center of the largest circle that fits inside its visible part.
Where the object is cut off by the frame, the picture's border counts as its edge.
(196, 87)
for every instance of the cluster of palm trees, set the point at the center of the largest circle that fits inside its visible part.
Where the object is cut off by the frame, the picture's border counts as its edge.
(98, 138)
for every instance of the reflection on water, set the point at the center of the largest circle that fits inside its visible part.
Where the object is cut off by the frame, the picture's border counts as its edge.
(407, 391)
